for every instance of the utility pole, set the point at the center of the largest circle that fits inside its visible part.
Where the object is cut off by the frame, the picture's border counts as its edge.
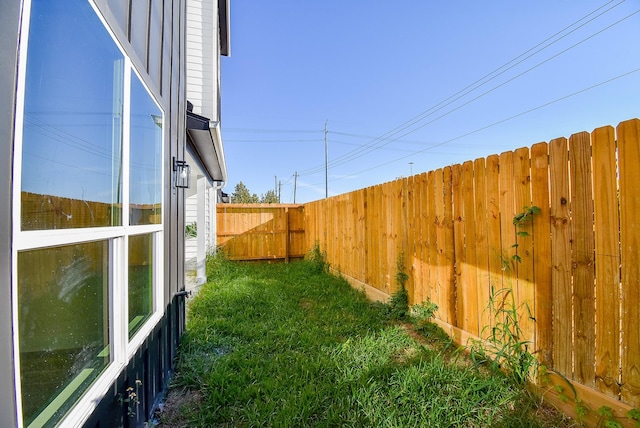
(295, 184)
(279, 190)
(275, 187)
(326, 161)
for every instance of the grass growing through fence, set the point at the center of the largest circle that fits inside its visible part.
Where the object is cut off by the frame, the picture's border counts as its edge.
(290, 345)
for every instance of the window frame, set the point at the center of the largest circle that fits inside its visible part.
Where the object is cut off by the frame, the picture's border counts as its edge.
(122, 347)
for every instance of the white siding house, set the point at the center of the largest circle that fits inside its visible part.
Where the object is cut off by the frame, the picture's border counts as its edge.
(205, 45)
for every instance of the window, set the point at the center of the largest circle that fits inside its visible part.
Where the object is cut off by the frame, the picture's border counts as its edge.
(88, 189)
(140, 280)
(71, 148)
(145, 172)
(63, 321)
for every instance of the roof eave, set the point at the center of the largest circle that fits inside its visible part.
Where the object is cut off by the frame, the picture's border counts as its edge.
(205, 139)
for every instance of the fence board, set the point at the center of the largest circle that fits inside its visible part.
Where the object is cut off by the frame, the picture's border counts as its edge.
(629, 152)
(432, 231)
(470, 263)
(424, 247)
(524, 239)
(542, 253)
(561, 257)
(371, 215)
(607, 258)
(507, 229)
(411, 235)
(449, 270)
(380, 246)
(582, 248)
(400, 250)
(388, 263)
(418, 238)
(494, 240)
(458, 246)
(482, 241)
(360, 211)
(441, 285)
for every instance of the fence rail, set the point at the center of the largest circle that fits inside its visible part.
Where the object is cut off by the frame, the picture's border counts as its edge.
(575, 265)
(261, 231)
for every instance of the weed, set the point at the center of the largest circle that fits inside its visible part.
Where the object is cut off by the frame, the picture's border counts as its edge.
(191, 230)
(317, 259)
(131, 399)
(607, 418)
(399, 302)
(401, 271)
(526, 216)
(502, 345)
(634, 415)
(424, 311)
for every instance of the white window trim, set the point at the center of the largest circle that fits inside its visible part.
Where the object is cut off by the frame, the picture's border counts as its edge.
(17, 186)
(122, 349)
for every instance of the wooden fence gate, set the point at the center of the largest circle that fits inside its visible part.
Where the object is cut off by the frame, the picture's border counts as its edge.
(261, 231)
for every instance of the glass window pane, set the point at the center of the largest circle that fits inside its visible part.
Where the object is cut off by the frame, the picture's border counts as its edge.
(145, 170)
(63, 324)
(140, 280)
(72, 136)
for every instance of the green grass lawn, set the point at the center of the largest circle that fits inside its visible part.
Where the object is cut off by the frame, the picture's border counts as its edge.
(287, 345)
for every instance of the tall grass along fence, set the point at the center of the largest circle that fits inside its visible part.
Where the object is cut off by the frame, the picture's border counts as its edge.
(574, 268)
(261, 231)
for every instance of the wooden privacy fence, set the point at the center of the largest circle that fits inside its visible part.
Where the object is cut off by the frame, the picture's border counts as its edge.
(579, 258)
(261, 231)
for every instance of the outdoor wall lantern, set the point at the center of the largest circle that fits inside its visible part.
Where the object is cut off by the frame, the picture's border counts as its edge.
(182, 172)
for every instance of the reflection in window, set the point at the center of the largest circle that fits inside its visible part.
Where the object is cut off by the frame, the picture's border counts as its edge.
(72, 139)
(145, 157)
(63, 326)
(140, 280)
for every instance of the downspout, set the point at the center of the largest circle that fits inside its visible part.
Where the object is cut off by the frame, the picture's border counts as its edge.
(218, 185)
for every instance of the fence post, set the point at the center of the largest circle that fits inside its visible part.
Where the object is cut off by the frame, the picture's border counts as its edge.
(286, 235)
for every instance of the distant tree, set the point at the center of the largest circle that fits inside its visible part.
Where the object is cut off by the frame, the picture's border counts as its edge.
(241, 195)
(269, 198)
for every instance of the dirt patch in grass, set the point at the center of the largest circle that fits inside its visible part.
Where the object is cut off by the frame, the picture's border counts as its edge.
(172, 414)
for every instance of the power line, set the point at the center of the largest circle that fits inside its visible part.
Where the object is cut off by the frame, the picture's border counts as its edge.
(395, 149)
(376, 143)
(343, 161)
(502, 120)
(275, 131)
(370, 137)
(315, 140)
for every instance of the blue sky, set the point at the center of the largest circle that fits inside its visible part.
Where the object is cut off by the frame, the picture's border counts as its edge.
(413, 85)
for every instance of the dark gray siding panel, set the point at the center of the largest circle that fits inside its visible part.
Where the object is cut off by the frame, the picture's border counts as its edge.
(10, 12)
(167, 42)
(120, 10)
(139, 28)
(152, 367)
(155, 41)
